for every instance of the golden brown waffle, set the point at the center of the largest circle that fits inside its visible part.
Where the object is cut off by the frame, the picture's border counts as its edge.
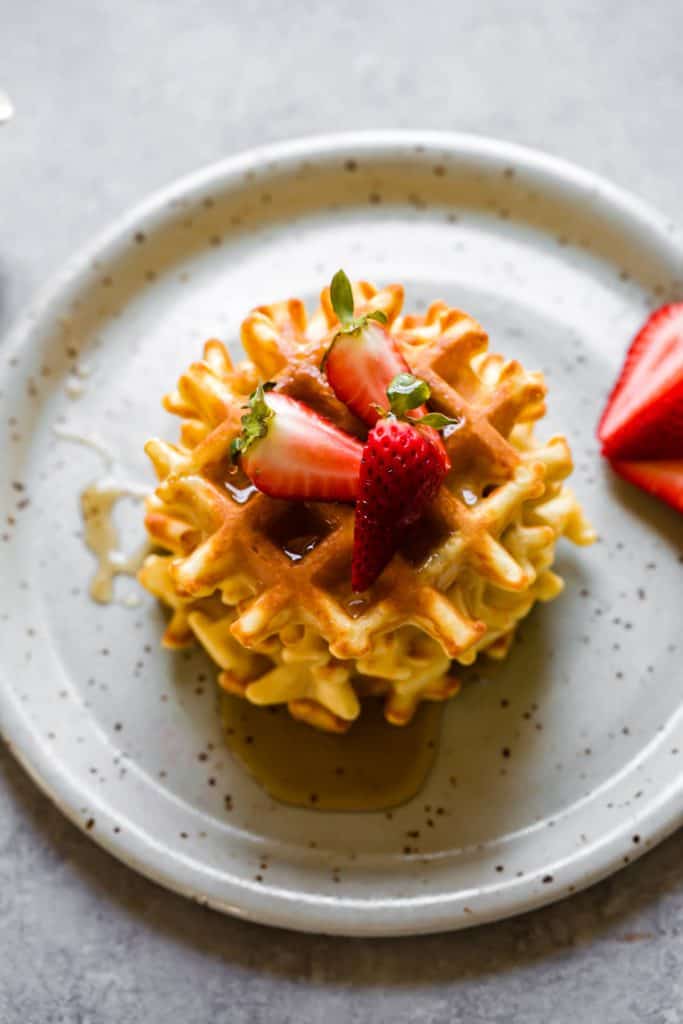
(264, 585)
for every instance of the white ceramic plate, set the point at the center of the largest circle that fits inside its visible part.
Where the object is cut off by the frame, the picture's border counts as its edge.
(561, 267)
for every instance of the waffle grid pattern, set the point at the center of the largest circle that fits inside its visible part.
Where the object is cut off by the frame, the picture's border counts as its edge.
(264, 586)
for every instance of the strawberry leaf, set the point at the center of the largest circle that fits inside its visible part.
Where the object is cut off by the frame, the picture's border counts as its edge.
(406, 392)
(255, 423)
(436, 420)
(341, 295)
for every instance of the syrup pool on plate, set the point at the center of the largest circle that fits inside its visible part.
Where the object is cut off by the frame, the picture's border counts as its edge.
(372, 767)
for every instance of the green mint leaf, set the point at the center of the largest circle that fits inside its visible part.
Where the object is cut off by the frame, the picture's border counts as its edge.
(255, 422)
(341, 295)
(436, 420)
(406, 392)
(379, 315)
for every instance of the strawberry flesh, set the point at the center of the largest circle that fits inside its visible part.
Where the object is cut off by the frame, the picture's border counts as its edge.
(644, 414)
(360, 365)
(401, 471)
(663, 478)
(303, 456)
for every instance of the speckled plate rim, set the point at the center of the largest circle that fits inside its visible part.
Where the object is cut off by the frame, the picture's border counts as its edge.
(345, 916)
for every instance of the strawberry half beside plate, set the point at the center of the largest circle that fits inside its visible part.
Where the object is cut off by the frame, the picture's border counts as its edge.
(661, 477)
(644, 415)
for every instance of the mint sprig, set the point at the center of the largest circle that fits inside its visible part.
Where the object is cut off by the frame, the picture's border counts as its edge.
(255, 422)
(341, 295)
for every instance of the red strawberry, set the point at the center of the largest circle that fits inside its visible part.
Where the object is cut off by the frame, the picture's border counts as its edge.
(363, 358)
(663, 478)
(644, 414)
(288, 451)
(360, 365)
(401, 471)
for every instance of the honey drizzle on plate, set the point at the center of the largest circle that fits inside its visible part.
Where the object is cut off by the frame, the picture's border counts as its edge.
(101, 536)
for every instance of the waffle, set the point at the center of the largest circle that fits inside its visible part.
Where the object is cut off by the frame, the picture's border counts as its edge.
(264, 585)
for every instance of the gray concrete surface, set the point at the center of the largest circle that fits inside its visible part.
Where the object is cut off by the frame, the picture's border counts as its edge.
(112, 100)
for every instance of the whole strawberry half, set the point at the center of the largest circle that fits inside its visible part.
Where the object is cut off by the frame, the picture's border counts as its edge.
(403, 466)
(363, 358)
(661, 477)
(288, 451)
(401, 471)
(644, 414)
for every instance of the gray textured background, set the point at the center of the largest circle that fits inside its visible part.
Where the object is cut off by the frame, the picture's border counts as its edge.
(114, 99)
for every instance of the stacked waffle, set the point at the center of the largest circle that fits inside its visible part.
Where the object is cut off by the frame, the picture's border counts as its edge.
(264, 584)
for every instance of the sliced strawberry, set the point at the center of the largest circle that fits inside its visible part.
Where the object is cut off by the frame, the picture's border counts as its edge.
(663, 478)
(360, 365)
(363, 358)
(644, 414)
(288, 451)
(401, 471)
